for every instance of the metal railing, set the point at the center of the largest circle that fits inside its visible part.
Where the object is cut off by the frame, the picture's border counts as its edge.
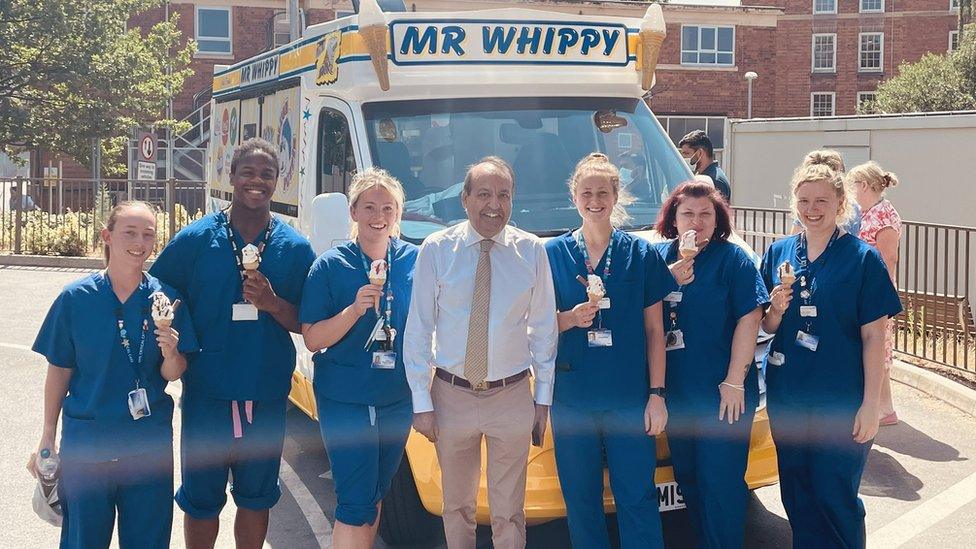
(936, 282)
(64, 216)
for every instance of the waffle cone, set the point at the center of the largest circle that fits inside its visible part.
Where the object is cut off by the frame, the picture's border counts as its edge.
(376, 38)
(650, 52)
(377, 281)
(687, 253)
(788, 280)
(163, 322)
(251, 266)
(594, 298)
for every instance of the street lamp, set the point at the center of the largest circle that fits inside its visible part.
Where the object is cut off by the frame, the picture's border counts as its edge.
(750, 76)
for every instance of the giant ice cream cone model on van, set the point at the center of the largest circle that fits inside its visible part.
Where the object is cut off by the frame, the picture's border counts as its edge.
(652, 34)
(374, 30)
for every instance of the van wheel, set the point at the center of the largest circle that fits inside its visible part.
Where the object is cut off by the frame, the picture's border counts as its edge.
(404, 519)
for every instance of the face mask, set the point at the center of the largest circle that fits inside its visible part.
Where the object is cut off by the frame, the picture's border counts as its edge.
(693, 161)
(626, 176)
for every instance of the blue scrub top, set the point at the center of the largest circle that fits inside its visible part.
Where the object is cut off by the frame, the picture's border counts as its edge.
(727, 286)
(604, 378)
(81, 333)
(343, 372)
(243, 360)
(851, 288)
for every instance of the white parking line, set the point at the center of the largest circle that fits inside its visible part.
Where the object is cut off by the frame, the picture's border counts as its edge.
(15, 346)
(314, 514)
(904, 528)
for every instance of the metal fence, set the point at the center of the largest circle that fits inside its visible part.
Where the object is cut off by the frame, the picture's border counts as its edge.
(936, 282)
(62, 216)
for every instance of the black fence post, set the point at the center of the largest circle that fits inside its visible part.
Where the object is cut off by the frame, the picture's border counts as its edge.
(171, 205)
(17, 210)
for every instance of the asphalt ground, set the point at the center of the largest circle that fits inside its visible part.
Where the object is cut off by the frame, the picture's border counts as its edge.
(919, 487)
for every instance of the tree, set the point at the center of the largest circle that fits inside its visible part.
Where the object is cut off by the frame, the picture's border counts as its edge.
(71, 71)
(936, 82)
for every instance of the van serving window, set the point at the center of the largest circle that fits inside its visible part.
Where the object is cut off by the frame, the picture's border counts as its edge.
(337, 159)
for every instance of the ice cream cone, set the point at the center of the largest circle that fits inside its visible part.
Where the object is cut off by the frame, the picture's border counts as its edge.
(376, 37)
(687, 253)
(163, 322)
(251, 266)
(594, 297)
(651, 41)
(788, 279)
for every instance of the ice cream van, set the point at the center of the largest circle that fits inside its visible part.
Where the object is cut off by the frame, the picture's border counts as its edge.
(423, 95)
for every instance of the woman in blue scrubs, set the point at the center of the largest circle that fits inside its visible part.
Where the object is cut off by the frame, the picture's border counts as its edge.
(826, 362)
(108, 366)
(711, 323)
(610, 372)
(361, 390)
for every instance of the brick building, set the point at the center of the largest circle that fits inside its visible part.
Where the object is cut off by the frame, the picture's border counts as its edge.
(812, 57)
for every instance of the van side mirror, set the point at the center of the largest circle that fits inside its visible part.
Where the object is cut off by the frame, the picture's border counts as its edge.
(330, 221)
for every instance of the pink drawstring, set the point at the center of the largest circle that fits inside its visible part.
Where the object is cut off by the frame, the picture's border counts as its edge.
(236, 416)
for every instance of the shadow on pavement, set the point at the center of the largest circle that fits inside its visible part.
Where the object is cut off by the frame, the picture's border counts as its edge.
(885, 477)
(765, 528)
(907, 440)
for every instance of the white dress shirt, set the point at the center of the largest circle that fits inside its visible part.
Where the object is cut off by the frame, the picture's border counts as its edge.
(522, 329)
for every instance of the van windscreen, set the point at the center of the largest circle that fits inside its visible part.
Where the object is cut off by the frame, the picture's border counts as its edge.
(429, 144)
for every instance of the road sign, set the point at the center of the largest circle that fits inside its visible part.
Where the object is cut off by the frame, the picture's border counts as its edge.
(146, 171)
(147, 147)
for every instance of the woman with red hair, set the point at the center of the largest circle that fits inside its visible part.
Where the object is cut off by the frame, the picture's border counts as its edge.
(711, 324)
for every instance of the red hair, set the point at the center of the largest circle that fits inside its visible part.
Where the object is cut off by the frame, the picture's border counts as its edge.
(666, 218)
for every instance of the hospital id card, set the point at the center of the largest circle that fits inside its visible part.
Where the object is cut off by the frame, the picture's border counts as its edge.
(599, 338)
(807, 341)
(384, 360)
(139, 403)
(674, 340)
(604, 303)
(244, 311)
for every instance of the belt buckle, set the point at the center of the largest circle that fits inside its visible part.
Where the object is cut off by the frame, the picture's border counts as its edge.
(480, 386)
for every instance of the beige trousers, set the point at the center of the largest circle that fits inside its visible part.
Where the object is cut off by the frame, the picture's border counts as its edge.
(504, 417)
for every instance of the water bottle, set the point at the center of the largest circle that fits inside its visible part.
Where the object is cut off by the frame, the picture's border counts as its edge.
(48, 466)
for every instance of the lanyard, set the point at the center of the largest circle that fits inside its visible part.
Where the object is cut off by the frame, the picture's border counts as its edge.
(127, 344)
(808, 280)
(387, 290)
(674, 305)
(581, 243)
(233, 242)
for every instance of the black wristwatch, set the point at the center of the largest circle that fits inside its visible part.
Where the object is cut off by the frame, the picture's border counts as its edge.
(659, 391)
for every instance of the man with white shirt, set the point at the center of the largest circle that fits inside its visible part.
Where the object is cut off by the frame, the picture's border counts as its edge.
(483, 313)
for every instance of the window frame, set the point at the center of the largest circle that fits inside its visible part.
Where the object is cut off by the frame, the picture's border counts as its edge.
(698, 51)
(860, 52)
(230, 32)
(860, 94)
(860, 6)
(350, 151)
(953, 37)
(833, 104)
(274, 32)
(953, 5)
(813, 53)
(816, 12)
(665, 121)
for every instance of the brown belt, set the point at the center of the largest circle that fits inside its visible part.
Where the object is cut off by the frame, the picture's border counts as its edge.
(484, 385)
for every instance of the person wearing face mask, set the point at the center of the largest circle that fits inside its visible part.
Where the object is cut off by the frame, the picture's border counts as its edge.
(482, 315)
(354, 307)
(610, 370)
(831, 298)
(110, 355)
(711, 322)
(696, 148)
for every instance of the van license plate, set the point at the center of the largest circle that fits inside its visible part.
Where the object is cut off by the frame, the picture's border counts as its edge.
(669, 497)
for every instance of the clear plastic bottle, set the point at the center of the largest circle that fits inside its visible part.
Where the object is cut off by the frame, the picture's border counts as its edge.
(49, 467)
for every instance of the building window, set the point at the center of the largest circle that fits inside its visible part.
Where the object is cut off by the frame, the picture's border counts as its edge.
(714, 126)
(872, 5)
(870, 51)
(213, 30)
(822, 104)
(953, 41)
(866, 97)
(824, 6)
(339, 14)
(707, 45)
(953, 4)
(824, 53)
(280, 30)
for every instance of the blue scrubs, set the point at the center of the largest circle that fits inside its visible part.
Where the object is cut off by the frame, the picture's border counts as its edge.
(813, 396)
(710, 456)
(600, 394)
(364, 412)
(235, 390)
(110, 462)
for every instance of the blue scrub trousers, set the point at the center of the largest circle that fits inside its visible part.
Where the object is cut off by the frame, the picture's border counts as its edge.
(820, 469)
(364, 451)
(139, 488)
(209, 452)
(709, 459)
(580, 437)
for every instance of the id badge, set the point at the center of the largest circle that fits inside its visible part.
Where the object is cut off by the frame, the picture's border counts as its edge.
(599, 338)
(139, 403)
(808, 310)
(674, 340)
(604, 303)
(674, 297)
(384, 360)
(776, 358)
(807, 341)
(244, 311)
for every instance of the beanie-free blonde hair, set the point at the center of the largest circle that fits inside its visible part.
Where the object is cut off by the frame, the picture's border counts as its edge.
(827, 157)
(822, 172)
(372, 178)
(871, 174)
(599, 165)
